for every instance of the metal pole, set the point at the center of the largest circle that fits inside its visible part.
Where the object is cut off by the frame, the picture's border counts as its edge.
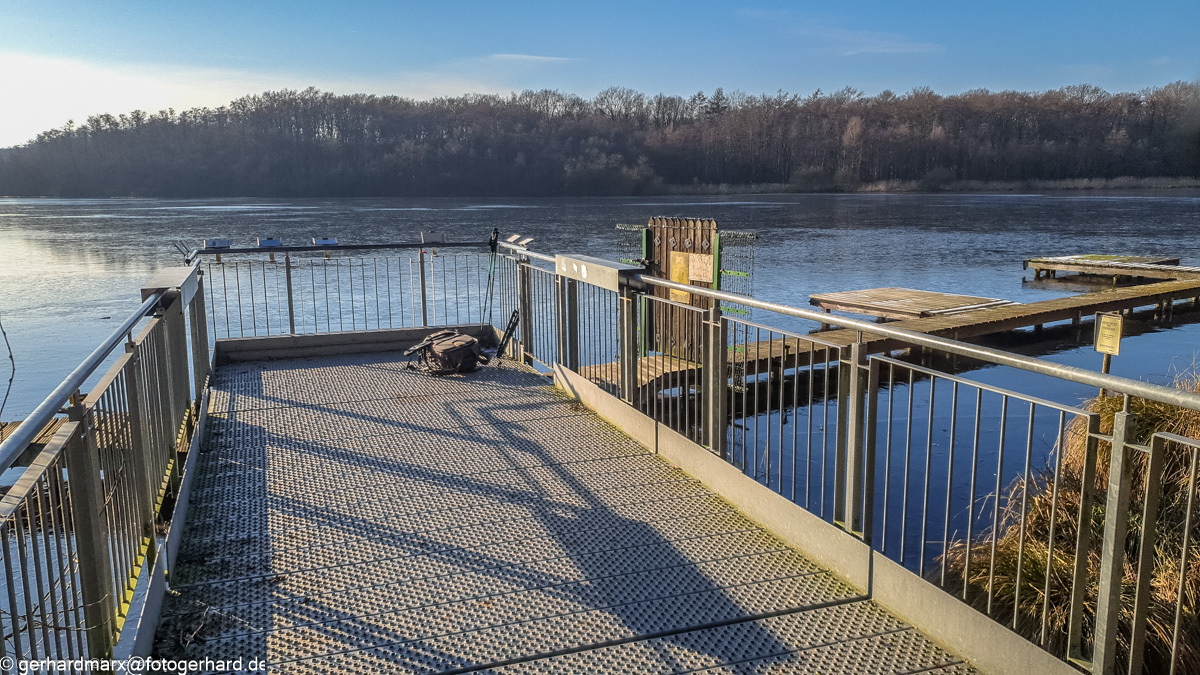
(421, 272)
(525, 310)
(852, 456)
(1112, 551)
(716, 381)
(629, 350)
(200, 359)
(568, 322)
(287, 273)
(91, 533)
(846, 376)
(139, 455)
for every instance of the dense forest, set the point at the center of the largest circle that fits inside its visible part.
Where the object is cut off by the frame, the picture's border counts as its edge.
(314, 143)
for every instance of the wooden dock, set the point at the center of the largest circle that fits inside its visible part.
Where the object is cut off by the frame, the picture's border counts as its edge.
(902, 303)
(1116, 266)
(800, 352)
(9, 428)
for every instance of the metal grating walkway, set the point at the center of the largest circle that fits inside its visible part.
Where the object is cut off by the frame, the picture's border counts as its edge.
(351, 516)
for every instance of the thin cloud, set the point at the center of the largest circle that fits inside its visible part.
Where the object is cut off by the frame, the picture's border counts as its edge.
(895, 47)
(529, 58)
(828, 33)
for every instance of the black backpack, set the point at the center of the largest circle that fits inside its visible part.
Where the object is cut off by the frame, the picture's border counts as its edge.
(447, 352)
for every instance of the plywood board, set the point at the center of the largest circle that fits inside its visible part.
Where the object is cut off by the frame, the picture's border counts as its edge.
(700, 268)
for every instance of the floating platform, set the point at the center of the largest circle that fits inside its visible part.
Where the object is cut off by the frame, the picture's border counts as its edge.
(1140, 267)
(903, 303)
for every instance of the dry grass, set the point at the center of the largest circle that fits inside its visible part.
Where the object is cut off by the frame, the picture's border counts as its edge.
(1043, 515)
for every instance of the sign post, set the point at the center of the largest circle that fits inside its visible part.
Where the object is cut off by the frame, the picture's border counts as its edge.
(1109, 330)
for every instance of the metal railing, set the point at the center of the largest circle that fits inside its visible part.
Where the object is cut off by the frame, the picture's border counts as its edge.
(1021, 504)
(79, 525)
(297, 295)
(998, 496)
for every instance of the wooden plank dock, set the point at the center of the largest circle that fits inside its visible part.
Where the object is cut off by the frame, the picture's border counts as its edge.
(1116, 266)
(800, 352)
(902, 303)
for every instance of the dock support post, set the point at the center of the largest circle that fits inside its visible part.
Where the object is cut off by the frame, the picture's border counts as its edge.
(524, 347)
(1112, 551)
(424, 304)
(287, 274)
(716, 381)
(629, 347)
(848, 461)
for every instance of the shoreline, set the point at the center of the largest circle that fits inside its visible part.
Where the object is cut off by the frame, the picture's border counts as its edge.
(1121, 183)
(1030, 186)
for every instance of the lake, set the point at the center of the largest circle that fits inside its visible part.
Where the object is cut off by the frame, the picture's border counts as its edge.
(70, 269)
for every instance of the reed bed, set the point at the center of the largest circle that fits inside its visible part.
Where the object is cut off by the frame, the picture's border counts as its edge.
(1043, 617)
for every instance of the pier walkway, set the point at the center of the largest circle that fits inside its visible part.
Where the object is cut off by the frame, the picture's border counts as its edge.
(350, 515)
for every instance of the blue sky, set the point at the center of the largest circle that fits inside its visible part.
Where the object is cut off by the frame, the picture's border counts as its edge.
(63, 60)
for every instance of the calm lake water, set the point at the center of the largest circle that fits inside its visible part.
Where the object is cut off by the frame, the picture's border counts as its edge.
(70, 269)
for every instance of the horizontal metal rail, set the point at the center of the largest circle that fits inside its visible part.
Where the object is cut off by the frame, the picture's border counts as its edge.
(14, 445)
(1107, 382)
(194, 253)
(1100, 380)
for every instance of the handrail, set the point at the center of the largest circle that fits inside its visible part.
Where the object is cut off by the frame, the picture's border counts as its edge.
(194, 253)
(14, 445)
(1103, 381)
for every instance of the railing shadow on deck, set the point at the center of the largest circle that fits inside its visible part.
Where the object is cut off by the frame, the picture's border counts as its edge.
(587, 577)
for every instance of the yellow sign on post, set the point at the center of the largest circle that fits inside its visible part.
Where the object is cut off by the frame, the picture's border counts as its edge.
(680, 268)
(1109, 328)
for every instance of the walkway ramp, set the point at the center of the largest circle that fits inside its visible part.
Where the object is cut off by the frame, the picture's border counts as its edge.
(349, 515)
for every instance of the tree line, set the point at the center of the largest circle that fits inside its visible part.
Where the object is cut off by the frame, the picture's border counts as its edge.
(315, 143)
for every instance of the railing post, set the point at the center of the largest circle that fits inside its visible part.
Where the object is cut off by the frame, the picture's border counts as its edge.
(629, 347)
(1083, 542)
(716, 380)
(1112, 551)
(525, 310)
(139, 454)
(1146, 547)
(287, 273)
(179, 392)
(568, 322)
(200, 360)
(424, 302)
(852, 389)
(869, 438)
(90, 520)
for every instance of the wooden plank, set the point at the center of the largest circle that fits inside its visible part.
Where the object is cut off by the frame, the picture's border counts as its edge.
(1113, 266)
(902, 303)
(9, 428)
